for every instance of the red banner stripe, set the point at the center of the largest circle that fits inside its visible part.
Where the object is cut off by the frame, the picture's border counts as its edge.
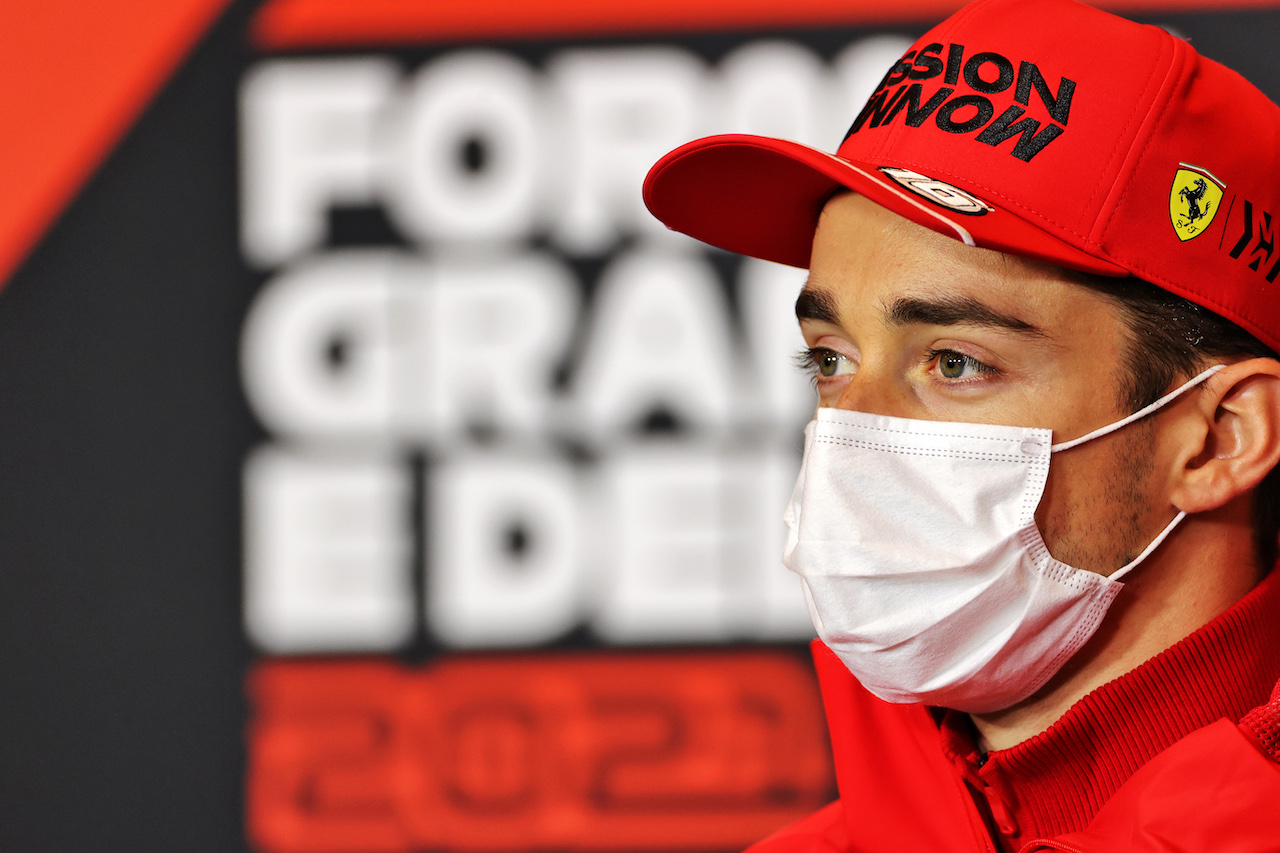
(283, 24)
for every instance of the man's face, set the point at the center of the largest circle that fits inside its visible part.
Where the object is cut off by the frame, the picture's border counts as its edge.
(903, 321)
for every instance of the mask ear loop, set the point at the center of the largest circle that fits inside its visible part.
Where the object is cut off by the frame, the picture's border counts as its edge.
(1155, 543)
(1138, 415)
(1141, 413)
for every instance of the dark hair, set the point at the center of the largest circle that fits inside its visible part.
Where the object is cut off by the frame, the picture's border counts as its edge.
(1170, 340)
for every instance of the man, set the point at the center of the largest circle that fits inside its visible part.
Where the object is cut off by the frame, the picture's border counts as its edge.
(1037, 514)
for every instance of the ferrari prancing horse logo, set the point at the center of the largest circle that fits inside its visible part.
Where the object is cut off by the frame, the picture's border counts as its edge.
(1194, 200)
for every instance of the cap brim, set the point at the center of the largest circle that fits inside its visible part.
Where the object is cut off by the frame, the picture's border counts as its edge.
(761, 197)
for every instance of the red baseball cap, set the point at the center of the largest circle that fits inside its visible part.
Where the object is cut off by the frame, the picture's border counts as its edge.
(1041, 128)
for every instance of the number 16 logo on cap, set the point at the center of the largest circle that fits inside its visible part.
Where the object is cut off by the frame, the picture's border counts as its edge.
(940, 193)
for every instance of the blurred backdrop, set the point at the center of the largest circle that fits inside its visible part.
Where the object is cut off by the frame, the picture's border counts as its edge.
(376, 474)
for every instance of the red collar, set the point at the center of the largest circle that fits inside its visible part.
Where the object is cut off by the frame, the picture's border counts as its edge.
(1055, 782)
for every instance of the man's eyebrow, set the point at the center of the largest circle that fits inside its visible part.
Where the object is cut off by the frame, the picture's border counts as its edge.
(815, 304)
(954, 311)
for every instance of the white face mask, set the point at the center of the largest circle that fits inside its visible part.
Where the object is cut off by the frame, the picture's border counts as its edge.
(918, 551)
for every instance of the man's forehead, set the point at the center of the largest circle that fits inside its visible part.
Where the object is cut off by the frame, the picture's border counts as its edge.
(880, 236)
(867, 259)
(818, 304)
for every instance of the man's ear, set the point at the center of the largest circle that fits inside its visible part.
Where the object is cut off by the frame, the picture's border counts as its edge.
(1233, 440)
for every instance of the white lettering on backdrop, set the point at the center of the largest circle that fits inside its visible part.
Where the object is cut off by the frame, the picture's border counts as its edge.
(609, 449)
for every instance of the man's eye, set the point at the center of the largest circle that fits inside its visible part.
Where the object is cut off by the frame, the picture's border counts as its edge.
(826, 362)
(957, 365)
(829, 363)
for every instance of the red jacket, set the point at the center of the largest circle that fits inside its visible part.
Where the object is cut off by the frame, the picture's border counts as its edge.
(1215, 789)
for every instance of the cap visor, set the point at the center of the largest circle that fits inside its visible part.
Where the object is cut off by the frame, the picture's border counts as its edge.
(761, 197)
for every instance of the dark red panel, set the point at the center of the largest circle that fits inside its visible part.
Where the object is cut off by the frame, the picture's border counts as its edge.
(660, 752)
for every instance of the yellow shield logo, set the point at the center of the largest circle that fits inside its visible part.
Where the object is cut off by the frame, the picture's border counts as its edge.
(1194, 200)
